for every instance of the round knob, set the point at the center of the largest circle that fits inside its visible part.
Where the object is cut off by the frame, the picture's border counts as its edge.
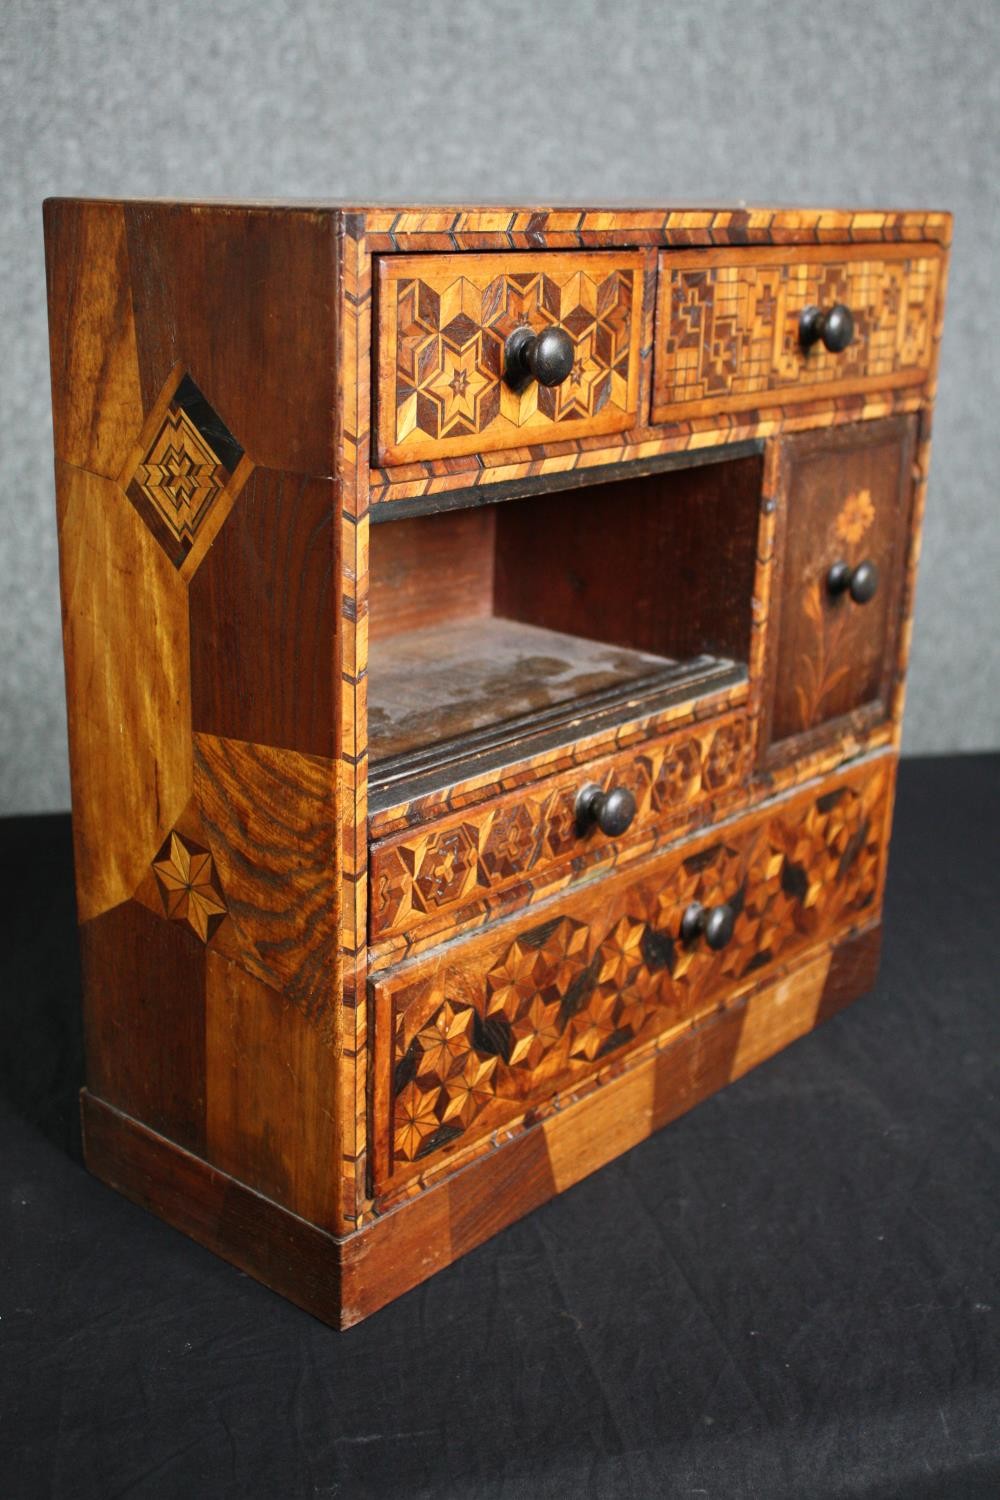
(715, 923)
(612, 811)
(835, 327)
(861, 582)
(546, 357)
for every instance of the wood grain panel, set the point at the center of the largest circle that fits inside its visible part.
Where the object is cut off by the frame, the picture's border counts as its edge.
(727, 333)
(442, 324)
(285, 1252)
(125, 637)
(269, 1093)
(244, 298)
(661, 563)
(471, 1035)
(431, 569)
(144, 1019)
(96, 397)
(263, 604)
(269, 818)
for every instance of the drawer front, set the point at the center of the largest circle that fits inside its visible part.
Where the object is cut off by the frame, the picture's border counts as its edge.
(727, 325)
(428, 877)
(442, 326)
(845, 500)
(471, 1037)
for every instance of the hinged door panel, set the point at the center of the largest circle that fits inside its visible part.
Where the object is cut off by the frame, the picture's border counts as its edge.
(843, 537)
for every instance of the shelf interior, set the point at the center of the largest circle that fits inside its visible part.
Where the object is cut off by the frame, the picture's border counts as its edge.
(505, 620)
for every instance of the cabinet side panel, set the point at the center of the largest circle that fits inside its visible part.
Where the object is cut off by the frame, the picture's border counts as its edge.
(244, 299)
(193, 353)
(268, 1092)
(144, 1020)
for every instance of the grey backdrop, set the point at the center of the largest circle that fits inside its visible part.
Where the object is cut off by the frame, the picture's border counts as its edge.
(889, 104)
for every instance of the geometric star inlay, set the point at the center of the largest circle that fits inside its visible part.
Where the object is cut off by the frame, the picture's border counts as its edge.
(189, 885)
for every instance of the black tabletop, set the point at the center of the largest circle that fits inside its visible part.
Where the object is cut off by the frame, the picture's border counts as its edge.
(793, 1291)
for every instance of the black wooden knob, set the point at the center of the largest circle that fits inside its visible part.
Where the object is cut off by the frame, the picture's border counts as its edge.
(714, 923)
(835, 327)
(546, 357)
(861, 582)
(612, 811)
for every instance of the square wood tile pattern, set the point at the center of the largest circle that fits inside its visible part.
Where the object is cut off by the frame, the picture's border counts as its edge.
(727, 335)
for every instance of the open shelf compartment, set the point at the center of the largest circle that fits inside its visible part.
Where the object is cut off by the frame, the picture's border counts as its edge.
(493, 623)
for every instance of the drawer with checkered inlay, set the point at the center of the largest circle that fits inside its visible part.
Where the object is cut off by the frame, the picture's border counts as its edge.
(746, 329)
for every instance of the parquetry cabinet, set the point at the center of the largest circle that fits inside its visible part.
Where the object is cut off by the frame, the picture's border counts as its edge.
(485, 637)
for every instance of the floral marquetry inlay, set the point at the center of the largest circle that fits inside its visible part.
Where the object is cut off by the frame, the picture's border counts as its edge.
(855, 518)
(444, 321)
(518, 1018)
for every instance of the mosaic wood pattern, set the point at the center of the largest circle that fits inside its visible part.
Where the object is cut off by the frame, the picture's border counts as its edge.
(588, 749)
(424, 227)
(728, 325)
(485, 1030)
(212, 387)
(522, 472)
(421, 876)
(443, 322)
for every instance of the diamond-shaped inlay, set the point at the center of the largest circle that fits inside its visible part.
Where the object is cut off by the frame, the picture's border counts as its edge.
(189, 885)
(184, 471)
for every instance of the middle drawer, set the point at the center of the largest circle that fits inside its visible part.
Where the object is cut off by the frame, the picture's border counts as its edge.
(478, 859)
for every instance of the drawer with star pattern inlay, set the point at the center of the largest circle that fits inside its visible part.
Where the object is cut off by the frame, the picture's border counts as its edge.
(477, 353)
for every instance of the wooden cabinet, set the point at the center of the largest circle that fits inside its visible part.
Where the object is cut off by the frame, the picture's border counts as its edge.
(484, 636)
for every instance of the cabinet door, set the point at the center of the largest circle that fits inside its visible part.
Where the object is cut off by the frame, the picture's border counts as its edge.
(843, 537)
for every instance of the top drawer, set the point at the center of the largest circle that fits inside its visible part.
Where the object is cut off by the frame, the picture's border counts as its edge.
(443, 322)
(728, 324)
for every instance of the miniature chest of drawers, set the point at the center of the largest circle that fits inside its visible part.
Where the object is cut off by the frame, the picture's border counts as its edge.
(485, 634)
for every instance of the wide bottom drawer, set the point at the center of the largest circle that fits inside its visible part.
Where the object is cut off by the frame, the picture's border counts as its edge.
(488, 1032)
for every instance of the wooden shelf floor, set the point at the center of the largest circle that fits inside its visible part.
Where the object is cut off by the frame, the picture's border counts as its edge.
(448, 680)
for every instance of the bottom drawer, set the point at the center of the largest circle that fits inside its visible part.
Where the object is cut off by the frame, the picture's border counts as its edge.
(479, 1034)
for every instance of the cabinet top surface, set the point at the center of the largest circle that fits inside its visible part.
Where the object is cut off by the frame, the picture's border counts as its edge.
(624, 210)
